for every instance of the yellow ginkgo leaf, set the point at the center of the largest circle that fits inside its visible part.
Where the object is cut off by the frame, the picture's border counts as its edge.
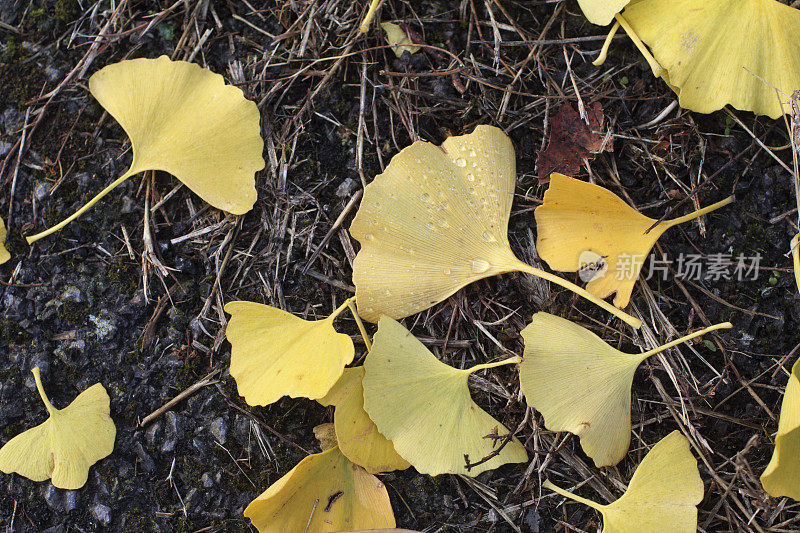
(4, 255)
(182, 119)
(437, 220)
(580, 220)
(325, 492)
(733, 52)
(662, 495)
(582, 385)
(601, 12)
(276, 354)
(356, 433)
(398, 39)
(782, 476)
(424, 407)
(64, 447)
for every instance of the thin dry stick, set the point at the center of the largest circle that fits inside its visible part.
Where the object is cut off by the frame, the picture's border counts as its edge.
(180, 397)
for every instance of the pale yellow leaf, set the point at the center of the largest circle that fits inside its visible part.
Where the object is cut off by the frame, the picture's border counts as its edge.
(782, 475)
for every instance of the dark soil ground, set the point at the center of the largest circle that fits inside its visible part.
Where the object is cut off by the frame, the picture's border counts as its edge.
(76, 304)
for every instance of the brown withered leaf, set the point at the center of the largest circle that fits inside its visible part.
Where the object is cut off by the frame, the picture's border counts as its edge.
(572, 141)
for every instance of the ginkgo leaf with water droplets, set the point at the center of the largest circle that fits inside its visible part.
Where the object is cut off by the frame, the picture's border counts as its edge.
(358, 437)
(579, 219)
(424, 408)
(64, 447)
(662, 495)
(275, 354)
(183, 119)
(582, 385)
(325, 492)
(4, 255)
(782, 475)
(435, 221)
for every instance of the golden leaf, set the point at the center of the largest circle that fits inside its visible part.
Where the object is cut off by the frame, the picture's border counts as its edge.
(358, 438)
(435, 221)
(582, 385)
(424, 408)
(782, 475)
(182, 119)
(398, 39)
(580, 219)
(276, 354)
(711, 54)
(4, 255)
(325, 492)
(662, 495)
(64, 447)
(601, 12)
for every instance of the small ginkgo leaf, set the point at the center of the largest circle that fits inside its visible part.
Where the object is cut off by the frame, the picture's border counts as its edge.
(356, 433)
(662, 495)
(782, 476)
(4, 255)
(64, 447)
(582, 385)
(601, 12)
(578, 217)
(733, 52)
(276, 354)
(398, 39)
(325, 492)
(326, 435)
(183, 119)
(435, 221)
(424, 407)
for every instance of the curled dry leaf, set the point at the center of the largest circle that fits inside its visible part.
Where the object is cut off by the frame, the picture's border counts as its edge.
(182, 119)
(398, 39)
(582, 385)
(64, 447)
(711, 54)
(435, 221)
(356, 433)
(572, 140)
(580, 220)
(662, 495)
(325, 492)
(276, 354)
(782, 476)
(424, 407)
(4, 255)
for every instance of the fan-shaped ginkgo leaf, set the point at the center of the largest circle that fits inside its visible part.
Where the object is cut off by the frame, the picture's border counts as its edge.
(275, 354)
(782, 476)
(437, 220)
(582, 385)
(4, 255)
(579, 220)
(183, 119)
(662, 495)
(398, 39)
(711, 54)
(358, 438)
(424, 407)
(64, 447)
(325, 492)
(601, 12)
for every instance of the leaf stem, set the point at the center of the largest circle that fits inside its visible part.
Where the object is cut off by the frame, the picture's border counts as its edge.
(567, 494)
(352, 305)
(338, 311)
(628, 319)
(484, 366)
(654, 66)
(699, 212)
(373, 7)
(606, 45)
(667, 346)
(38, 379)
(33, 238)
